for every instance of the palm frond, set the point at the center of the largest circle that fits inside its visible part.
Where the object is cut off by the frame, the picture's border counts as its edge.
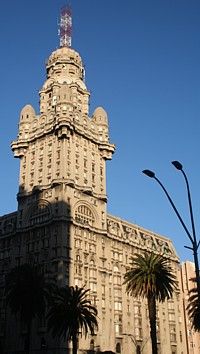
(27, 292)
(150, 274)
(193, 309)
(72, 313)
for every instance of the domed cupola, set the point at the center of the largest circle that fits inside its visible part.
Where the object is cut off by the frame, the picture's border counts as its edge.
(26, 117)
(27, 113)
(65, 62)
(100, 116)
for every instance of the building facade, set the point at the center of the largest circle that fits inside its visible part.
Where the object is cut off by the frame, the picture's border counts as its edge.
(62, 224)
(192, 337)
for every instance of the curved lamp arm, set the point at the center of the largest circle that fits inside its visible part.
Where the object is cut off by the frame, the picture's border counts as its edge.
(152, 175)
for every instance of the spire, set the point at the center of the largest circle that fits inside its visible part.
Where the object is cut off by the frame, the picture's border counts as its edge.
(65, 27)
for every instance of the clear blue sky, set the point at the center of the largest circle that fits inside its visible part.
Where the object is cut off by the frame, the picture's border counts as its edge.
(142, 61)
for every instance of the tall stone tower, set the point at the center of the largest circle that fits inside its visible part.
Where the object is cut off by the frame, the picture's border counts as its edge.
(62, 226)
(62, 199)
(63, 155)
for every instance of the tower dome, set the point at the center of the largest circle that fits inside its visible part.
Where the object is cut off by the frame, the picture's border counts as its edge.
(65, 64)
(100, 116)
(27, 113)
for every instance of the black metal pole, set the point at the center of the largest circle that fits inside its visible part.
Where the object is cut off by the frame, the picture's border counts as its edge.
(194, 239)
(174, 207)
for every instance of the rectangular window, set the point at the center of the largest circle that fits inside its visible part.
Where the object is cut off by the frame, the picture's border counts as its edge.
(93, 286)
(170, 305)
(117, 292)
(137, 310)
(172, 337)
(117, 279)
(103, 289)
(138, 332)
(118, 305)
(171, 317)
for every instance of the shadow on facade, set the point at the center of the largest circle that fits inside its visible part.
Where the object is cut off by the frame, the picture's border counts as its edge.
(37, 234)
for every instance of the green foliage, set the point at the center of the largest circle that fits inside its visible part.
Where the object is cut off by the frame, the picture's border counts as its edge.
(71, 313)
(194, 309)
(27, 292)
(150, 275)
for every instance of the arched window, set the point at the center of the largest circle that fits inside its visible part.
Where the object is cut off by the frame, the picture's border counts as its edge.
(118, 348)
(92, 344)
(39, 214)
(138, 351)
(34, 124)
(116, 269)
(84, 215)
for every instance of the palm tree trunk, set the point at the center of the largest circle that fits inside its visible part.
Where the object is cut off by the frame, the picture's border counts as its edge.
(152, 320)
(28, 339)
(74, 344)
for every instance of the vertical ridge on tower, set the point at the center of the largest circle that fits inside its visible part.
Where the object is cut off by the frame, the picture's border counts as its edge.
(65, 26)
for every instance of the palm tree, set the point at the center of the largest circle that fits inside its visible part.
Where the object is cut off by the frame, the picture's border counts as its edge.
(27, 293)
(72, 314)
(151, 277)
(194, 309)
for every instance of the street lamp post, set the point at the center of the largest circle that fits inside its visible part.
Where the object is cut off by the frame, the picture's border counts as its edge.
(139, 344)
(192, 237)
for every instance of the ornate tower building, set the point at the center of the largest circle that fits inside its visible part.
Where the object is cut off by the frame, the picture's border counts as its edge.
(62, 225)
(63, 154)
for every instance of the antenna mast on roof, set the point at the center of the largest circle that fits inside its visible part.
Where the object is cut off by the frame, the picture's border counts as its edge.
(65, 27)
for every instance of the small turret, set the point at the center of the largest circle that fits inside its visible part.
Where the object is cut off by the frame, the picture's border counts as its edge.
(100, 116)
(27, 113)
(101, 120)
(26, 117)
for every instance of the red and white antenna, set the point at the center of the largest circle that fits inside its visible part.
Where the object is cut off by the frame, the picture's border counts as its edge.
(65, 27)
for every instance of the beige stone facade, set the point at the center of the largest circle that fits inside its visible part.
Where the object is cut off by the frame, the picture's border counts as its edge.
(193, 338)
(62, 224)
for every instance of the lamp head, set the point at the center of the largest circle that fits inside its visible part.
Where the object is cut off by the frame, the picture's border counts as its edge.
(177, 165)
(149, 173)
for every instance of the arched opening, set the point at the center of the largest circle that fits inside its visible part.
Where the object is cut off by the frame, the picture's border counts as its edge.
(39, 214)
(92, 344)
(91, 351)
(118, 348)
(84, 215)
(138, 351)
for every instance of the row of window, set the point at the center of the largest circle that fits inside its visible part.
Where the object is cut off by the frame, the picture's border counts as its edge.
(49, 172)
